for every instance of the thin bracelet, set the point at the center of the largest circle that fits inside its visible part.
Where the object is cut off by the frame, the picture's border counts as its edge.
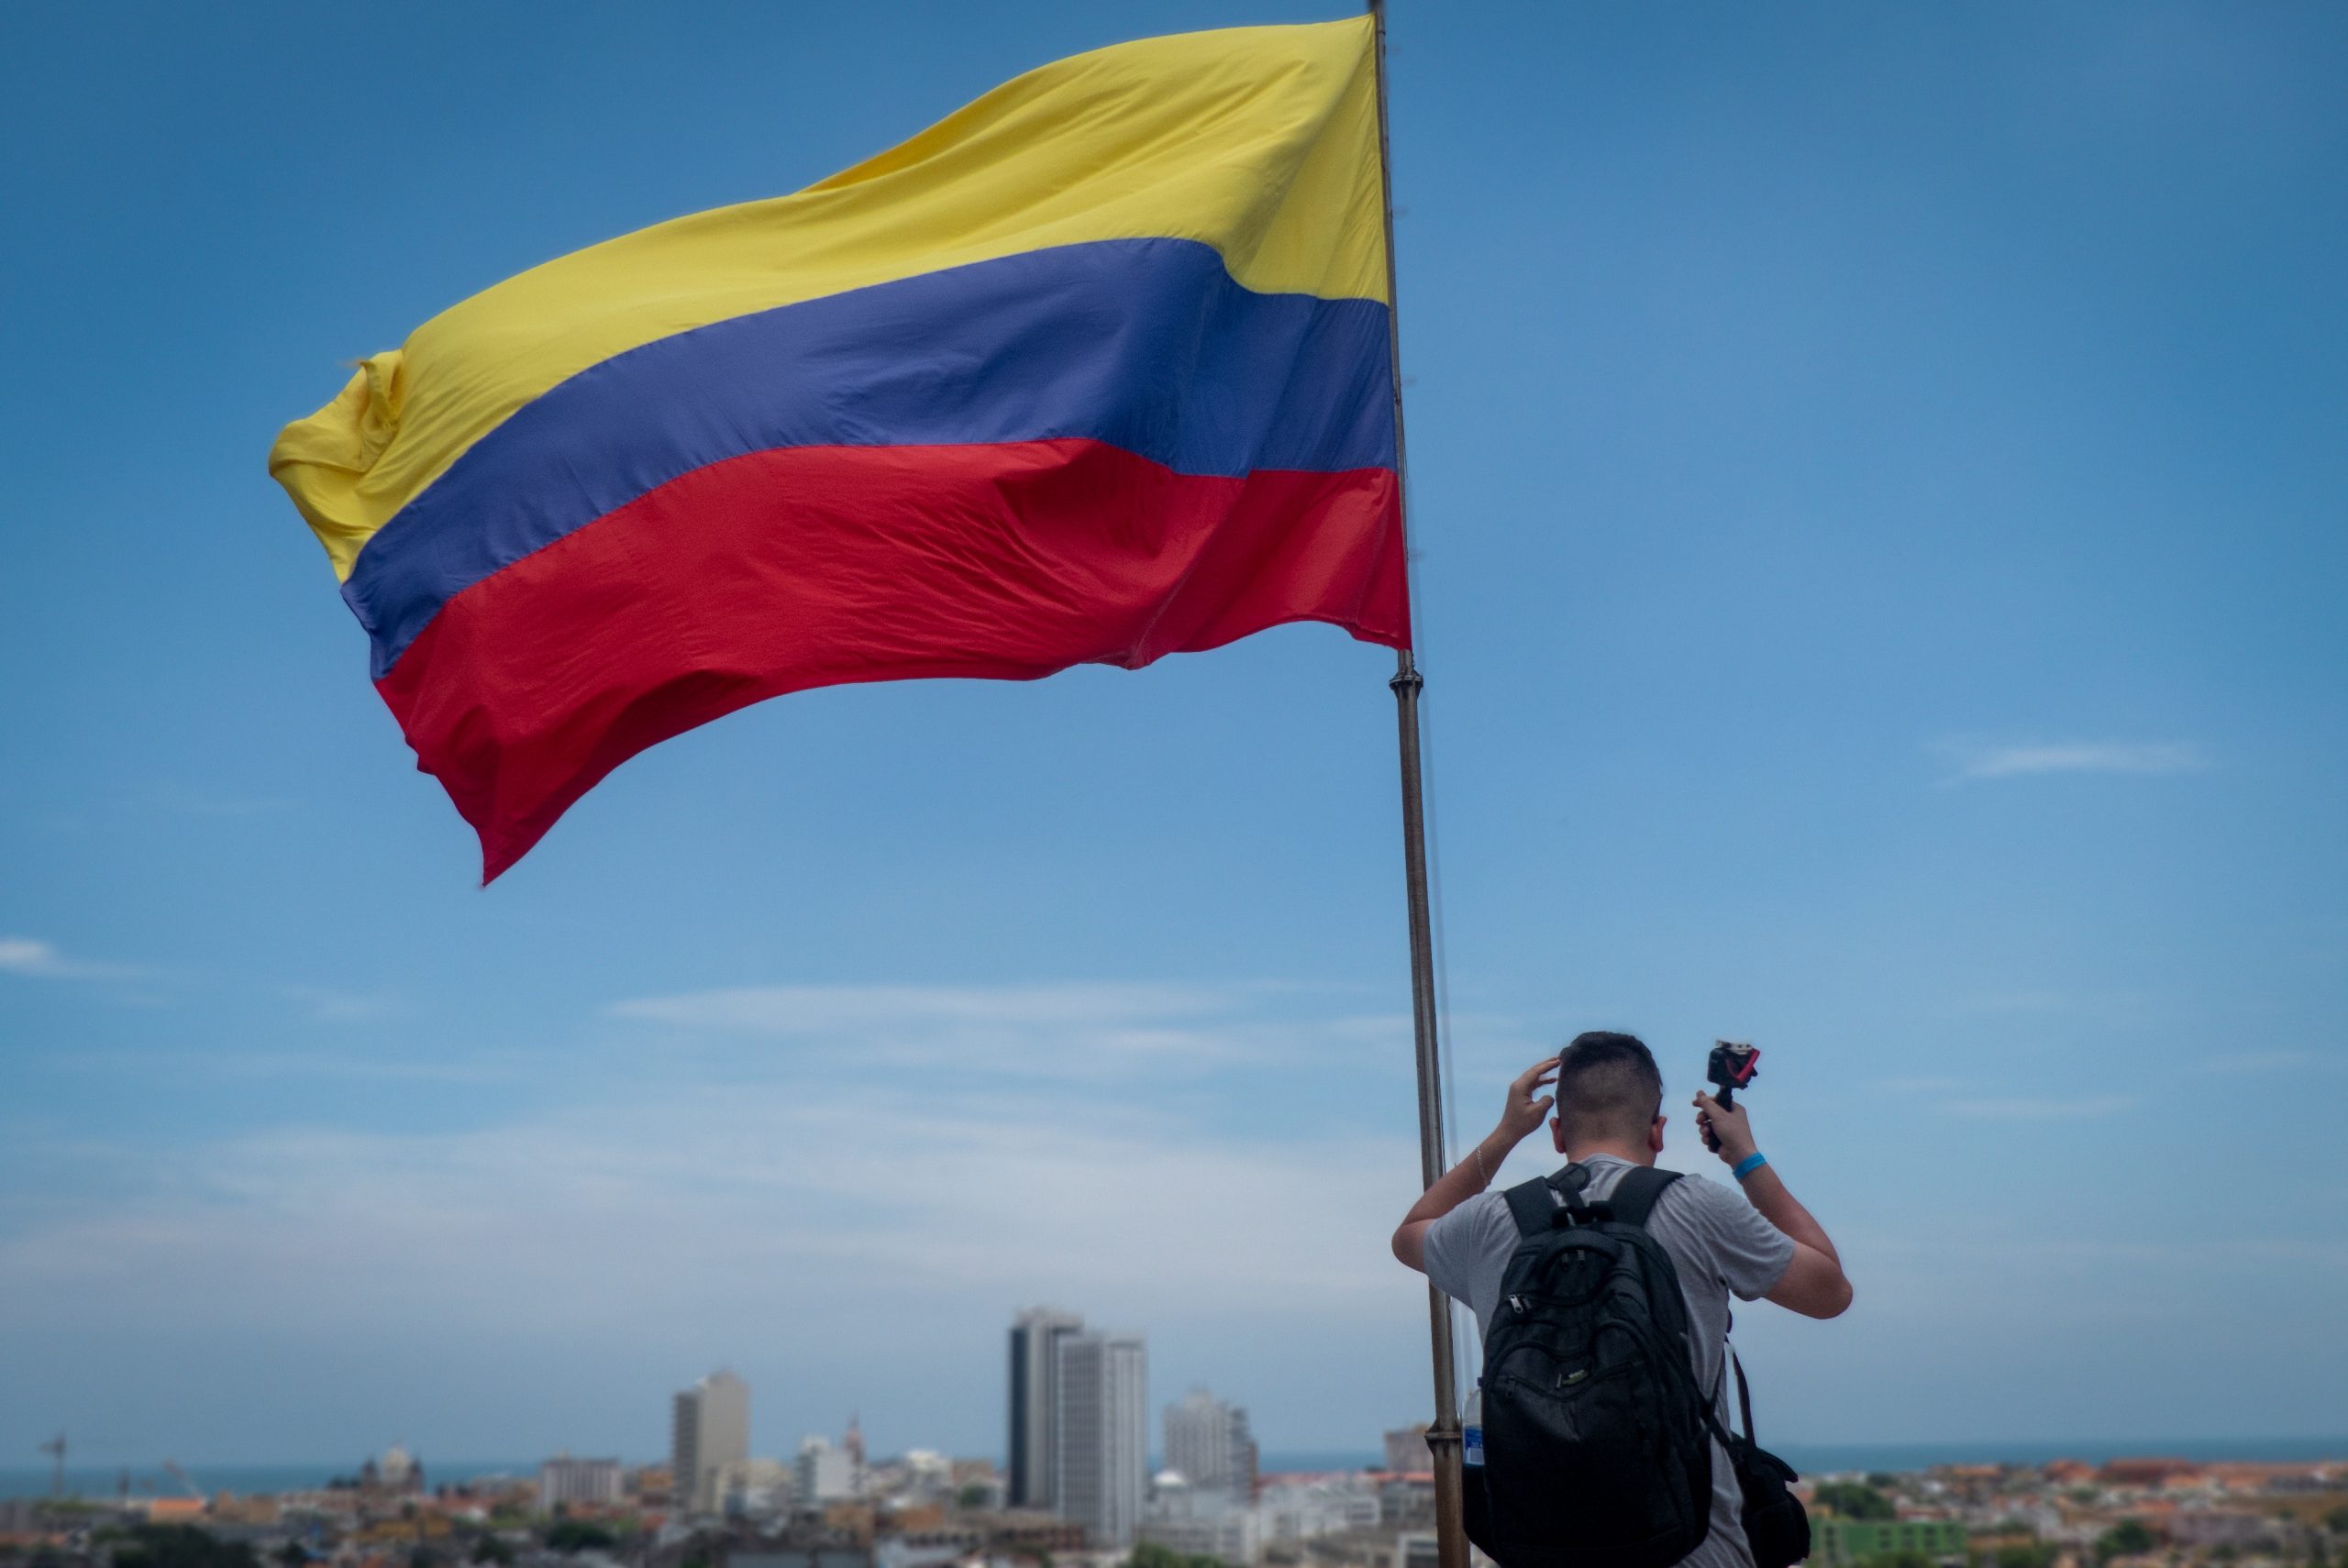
(1482, 1169)
(1751, 1163)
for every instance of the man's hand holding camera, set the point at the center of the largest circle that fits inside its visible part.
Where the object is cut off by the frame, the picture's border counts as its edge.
(1727, 1129)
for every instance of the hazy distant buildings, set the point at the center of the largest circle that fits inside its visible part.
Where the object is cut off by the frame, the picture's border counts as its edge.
(710, 1429)
(1406, 1449)
(563, 1479)
(1324, 1506)
(826, 1474)
(1101, 1442)
(396, 1471)
(1208, 1444)
(928, 1475)
(754, 1488)
(1035, 1335)
(1201, 1521)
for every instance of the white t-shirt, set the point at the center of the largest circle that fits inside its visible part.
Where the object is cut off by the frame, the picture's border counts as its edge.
(1718, 1243)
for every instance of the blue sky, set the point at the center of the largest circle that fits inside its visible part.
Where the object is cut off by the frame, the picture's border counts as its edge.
(1880, 493)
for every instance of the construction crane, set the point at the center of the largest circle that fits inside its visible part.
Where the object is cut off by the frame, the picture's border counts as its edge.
(184, 1479)
(56, 1447)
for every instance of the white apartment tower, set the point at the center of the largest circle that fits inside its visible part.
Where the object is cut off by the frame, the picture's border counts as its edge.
(1209, 1443)
(563, 1479)
(1035, 1404)
(1100, 1449)
(711, 1429)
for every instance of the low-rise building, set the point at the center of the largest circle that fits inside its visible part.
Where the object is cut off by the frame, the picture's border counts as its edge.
(593, 1481)
(826, 1474)
(1406, 1502)
(1325, 1505)
(1415, 1549)
(1406, 1449)
(2210, 1528)
(1201, 1521)
(793, 1554)
(1837, 1542)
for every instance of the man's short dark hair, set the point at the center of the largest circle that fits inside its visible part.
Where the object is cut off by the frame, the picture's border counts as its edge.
(1608, 1088)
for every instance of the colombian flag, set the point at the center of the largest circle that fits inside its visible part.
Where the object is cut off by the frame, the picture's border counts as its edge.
(1097, 368)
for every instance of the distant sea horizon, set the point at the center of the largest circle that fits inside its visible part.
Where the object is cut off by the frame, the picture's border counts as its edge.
(100, 1483)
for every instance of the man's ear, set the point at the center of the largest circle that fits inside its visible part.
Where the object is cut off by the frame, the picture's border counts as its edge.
(1557, 1132)
(1655, 1134)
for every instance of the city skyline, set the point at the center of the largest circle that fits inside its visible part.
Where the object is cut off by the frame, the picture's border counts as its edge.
(927, 1510)
(1875, 492)
(150, 1479)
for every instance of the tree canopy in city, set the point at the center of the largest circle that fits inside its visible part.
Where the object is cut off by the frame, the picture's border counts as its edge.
(1854, 1500)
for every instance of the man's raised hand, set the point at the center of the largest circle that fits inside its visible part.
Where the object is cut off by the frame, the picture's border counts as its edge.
(1527, 1108)
(1725, 1128)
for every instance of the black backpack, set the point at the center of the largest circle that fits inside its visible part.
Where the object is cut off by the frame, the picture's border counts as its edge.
(1596, 1442)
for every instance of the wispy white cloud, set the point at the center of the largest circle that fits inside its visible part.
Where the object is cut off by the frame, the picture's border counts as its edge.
(41, 960)
(279, 1069)
(2260, 1062)
(1977, 760)
(1081, 1030)
(674, 1183)
(2027, 1109)
(812, 1009)
(179, 800)
(325, 1004)
(2097, 1007)
(2038, 1001)
(838, 1206)
(1923, 1084)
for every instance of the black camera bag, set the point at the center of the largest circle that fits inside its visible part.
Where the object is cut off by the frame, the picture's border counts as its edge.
(1775, 1527)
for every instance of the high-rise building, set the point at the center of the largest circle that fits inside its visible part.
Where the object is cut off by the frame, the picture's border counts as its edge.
(710, 1429)
(1101, 1444)
(1035, 1402)
(1208, 1444)
(563, 1479)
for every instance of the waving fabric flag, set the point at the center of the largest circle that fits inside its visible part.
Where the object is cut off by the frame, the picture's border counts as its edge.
(1095, 370)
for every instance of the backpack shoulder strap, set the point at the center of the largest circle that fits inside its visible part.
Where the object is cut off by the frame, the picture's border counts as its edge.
(1634, 1198)
(1530, 1204)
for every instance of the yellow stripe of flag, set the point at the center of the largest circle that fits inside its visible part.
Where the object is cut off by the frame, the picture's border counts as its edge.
(1259, 141)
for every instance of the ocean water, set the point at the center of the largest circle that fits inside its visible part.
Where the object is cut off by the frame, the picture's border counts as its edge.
(105, 1481)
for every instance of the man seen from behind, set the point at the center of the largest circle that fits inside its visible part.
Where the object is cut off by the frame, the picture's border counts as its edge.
(1759, 1245)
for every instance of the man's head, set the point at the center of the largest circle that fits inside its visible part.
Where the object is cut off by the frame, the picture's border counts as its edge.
(1609, 1096)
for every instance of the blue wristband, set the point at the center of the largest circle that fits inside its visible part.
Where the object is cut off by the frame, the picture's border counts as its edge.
(1751, 1163)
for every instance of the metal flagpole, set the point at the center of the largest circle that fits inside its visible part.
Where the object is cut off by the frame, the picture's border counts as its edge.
(1443, 1435)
